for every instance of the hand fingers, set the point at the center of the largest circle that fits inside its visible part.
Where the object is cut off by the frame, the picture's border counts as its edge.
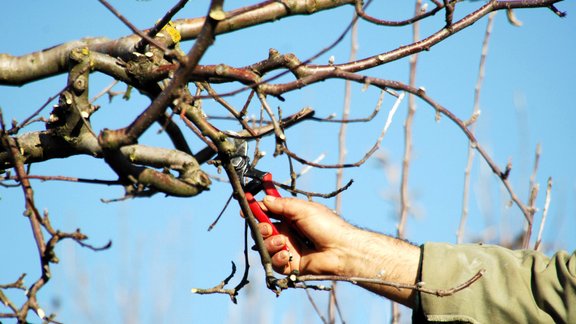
(275, 245)
(265, 229)
(281, 262)
(265, 210)
(279, 256)
(294, 209)
(287, 207)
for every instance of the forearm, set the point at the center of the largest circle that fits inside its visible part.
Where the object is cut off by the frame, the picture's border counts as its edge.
(377, 256)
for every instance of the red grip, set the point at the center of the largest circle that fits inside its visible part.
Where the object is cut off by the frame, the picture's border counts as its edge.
(259, 213)
(269, 187)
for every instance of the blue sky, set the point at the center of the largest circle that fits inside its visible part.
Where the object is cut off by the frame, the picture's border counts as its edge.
(161, 248)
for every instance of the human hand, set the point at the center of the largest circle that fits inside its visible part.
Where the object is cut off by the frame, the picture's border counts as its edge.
(337, 248)
(326, 234)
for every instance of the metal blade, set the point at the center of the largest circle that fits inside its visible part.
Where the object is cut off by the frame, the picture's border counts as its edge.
(240, 158)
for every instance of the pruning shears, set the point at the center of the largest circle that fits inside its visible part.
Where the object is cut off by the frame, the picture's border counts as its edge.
(259, 180)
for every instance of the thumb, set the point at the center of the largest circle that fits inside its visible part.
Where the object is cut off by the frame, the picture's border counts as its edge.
(288, 208)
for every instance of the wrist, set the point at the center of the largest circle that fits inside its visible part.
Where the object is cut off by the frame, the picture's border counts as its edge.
(376, 256)
(363, 253)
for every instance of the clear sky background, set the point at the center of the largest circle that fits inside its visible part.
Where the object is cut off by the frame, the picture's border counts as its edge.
(161, 248)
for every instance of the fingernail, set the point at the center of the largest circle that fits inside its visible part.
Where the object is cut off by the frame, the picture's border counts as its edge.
(285, 256)
(269, 198)
(265, 230)
(278, 241)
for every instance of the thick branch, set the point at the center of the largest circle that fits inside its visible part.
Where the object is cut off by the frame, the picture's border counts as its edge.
(19, 70)
(45, 145)
(267, 11)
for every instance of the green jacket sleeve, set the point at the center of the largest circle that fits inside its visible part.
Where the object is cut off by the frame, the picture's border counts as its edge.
(517, 287)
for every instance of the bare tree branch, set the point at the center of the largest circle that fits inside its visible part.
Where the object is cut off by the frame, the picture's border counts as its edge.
(471, 125)
(291, 280)
(544, 214)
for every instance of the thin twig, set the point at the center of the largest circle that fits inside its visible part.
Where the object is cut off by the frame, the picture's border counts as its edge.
(535, 167)
(315, 307)
(244, 281)
(104, 91)
(161, 23)
(220, 214)
(472, 125)
(293, 175)
(404, 203)
(368, 154)
(228, 107)
(544, 214)
(280, 136)
(306, 168)
(418, 287)
(331, 119)
(345, 116)
(404, 195)
(30, 118)
(533, 193)
(18, 284)
(419, 15)
(35, 220)
(65, 178)
(316, 194)
(198, 133)
(219, 288)
(133, 28)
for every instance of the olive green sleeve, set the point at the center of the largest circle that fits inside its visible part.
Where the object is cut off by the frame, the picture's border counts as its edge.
(517, 286)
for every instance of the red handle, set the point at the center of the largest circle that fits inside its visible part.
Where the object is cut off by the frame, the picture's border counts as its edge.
(260, 215)
(269, 187)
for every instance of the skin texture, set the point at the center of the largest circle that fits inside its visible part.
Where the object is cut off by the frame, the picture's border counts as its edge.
(335, 247)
